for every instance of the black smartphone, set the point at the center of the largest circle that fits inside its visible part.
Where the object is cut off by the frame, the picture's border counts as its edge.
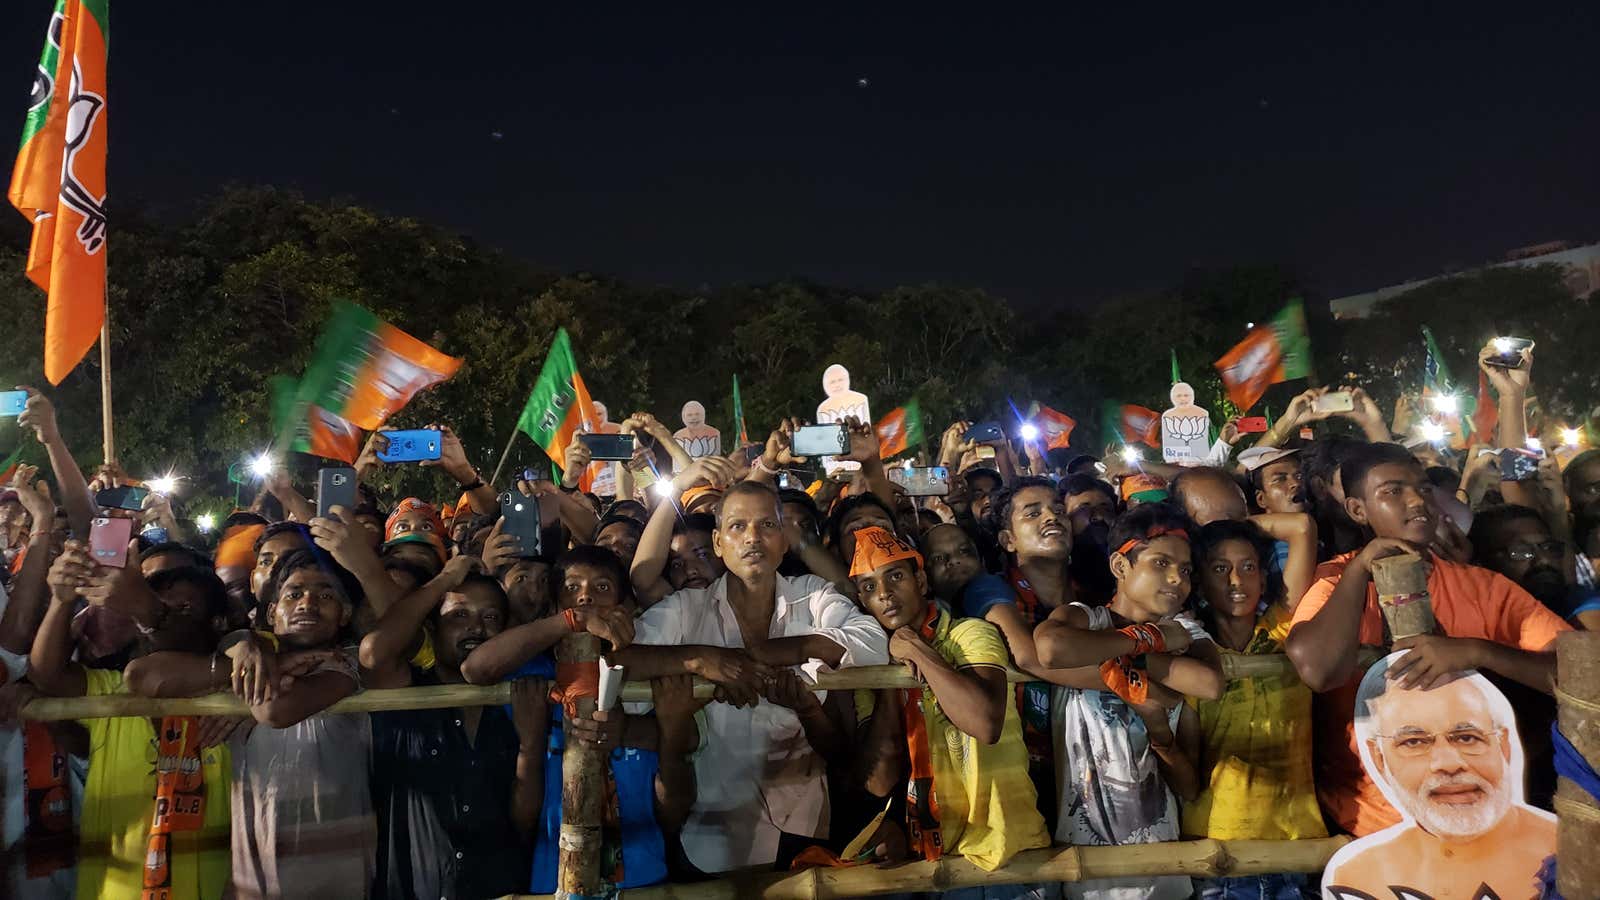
(126, 497)
(521, 515)
(608, 446)
(985, 432)
(821, 440)
(1517, 464)
(336, 486)
(1508, 352)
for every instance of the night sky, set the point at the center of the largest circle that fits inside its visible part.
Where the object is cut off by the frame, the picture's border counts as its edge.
(1059, 157)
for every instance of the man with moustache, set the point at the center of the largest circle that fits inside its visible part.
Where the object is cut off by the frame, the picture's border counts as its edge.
(757, 775)
(1446, 757)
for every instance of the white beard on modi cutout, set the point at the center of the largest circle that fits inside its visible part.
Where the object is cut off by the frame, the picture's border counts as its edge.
(1448, 758)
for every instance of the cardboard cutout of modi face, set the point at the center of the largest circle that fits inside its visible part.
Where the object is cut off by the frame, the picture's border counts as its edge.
(842, 403)
(1185, 429)
(696, 437)
(1449, 759)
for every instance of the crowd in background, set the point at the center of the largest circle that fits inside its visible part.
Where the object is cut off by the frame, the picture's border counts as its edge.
(1119, 584)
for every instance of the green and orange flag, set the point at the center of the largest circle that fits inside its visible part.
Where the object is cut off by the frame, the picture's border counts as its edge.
(1132, 424)
(59, 181)
(316, 431)
(900, 430)
(1270, 353)
(1054, 426)
(559, 405)
(8, 467)
(362, 371)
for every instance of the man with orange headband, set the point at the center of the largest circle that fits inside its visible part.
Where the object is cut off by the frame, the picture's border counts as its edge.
(1126, 744)
(955, 746)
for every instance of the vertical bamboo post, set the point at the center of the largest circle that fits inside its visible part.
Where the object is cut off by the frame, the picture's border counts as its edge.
(1402, 585)
(582, 788)
(108, 440)
(1578, 823)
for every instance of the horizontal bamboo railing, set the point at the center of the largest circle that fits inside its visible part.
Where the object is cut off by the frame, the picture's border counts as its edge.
(52, 709)
(1198, 859)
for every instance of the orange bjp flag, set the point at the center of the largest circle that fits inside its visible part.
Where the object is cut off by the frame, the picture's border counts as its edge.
(59, 181)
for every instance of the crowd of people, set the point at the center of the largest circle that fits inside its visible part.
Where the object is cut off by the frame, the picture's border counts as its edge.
(1118, 585)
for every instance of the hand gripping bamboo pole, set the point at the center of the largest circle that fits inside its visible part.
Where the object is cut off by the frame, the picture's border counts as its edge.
(50, 709)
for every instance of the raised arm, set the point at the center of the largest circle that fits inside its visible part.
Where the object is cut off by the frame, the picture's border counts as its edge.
(296, 508)
(1299, 530)
(393, 640)
(655, 545)
(50, 665)
(453, 460)
(1323, 647)
(864, 450)
(346, 541)
(30, 592)
(40, 415)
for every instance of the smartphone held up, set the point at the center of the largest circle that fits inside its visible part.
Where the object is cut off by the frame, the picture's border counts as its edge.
(1508, 352)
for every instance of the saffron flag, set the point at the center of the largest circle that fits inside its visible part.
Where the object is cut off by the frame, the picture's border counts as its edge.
(317, 431)
(1056, 427)
(559, 405)
(738, 413)
(364, 369)
(1271, 353)
(1132, 424)
(59, 181)
(900, 429)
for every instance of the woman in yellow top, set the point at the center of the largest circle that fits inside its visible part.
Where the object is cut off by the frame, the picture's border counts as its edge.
(1257, 737)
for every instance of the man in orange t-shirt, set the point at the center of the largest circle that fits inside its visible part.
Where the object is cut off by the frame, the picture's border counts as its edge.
(1484, 620)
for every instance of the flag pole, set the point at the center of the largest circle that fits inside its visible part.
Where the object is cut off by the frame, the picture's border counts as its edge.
(109, 442)
(505, 455)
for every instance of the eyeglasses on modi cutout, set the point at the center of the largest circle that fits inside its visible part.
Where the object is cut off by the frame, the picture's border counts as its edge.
(1414, 743)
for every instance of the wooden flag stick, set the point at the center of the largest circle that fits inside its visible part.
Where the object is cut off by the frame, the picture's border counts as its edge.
(583, 786)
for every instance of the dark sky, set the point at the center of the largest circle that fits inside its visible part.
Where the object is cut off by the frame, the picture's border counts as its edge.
(1057, 157)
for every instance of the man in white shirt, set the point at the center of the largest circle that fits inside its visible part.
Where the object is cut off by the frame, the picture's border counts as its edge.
(757, 776)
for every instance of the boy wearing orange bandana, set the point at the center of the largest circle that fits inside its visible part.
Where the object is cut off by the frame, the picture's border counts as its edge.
(954, 747)
(1126, 745)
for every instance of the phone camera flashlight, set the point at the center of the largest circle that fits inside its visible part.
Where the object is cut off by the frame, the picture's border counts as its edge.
(1447, 404)
(1503, 345)
(1432, 432)
(1534, 443)
(261, 466)
(205, 522)
(166, 484)
(1571, 437)
(1030, 431)
(1131, 455)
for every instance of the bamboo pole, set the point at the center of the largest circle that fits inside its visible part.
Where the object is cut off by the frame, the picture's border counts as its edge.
(55, 709)
(1200, 859)
(582, 789)
(1578, 714)
(108, 441)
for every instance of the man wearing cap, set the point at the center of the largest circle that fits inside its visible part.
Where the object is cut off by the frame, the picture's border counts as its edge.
(955, 745)
(758, 777)
(1142, 487)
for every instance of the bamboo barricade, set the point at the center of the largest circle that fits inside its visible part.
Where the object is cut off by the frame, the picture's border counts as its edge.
(56, 709)
(1578, 714)
(1199, 859)
(582, 789)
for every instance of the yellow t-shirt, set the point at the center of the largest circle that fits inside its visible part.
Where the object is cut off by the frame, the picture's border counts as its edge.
(118, 802)
(1256, 745)
(988, 811)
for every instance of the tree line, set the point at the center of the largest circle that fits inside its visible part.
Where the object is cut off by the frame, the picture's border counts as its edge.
(206, 309)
